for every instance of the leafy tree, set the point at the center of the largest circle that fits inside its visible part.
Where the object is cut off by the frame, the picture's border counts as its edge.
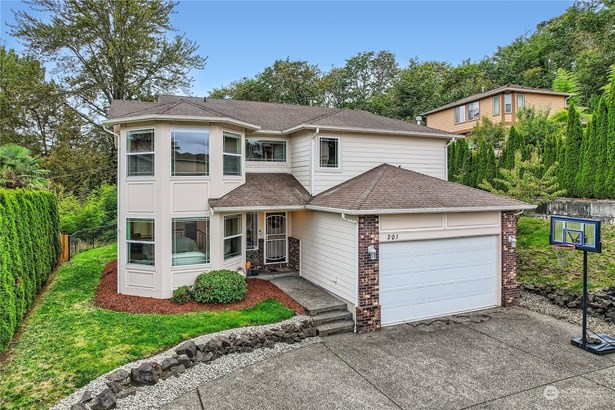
(572, 153)
(19, 169)
(106, 49)
(527, 181)
(565, 81)
(494, 133)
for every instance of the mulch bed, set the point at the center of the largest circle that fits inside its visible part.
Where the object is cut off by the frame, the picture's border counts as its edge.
(108, 298)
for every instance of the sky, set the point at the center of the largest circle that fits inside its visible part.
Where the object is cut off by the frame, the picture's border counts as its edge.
(240, 39)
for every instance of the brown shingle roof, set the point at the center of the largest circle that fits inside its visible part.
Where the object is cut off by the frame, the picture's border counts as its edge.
(388, 188)
(507, 87)
(264, 191)
(269, 116)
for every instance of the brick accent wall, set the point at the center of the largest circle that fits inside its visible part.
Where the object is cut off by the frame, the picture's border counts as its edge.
(257, 257)
(368, 309)
(294, 253)
(511, 293)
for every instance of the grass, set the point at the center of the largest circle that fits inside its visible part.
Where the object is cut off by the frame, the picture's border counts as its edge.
(67, 342)
(538, 262)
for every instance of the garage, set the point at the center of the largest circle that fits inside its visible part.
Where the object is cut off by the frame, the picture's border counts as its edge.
(422, 279)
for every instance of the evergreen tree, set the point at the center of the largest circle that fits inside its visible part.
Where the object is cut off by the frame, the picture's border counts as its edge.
(610, 143)
(549, 149)
(491, 168)
(481, 160)
(463, 161)
(452, 160)
(572, 152)
(584, 178)
(514, 143)
(600, 159)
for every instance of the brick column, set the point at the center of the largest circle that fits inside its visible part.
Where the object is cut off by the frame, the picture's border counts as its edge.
(511, 292)
(368, 309)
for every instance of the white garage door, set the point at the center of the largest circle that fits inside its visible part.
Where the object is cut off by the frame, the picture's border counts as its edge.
(430, 278)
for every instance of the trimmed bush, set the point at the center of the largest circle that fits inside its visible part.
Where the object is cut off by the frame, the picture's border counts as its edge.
(219, 286)
(182, 295)
(29, 251)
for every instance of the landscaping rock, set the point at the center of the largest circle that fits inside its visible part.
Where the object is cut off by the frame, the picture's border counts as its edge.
(114, 386)
(185, 360)
(144, 375)
(78, 406)
(105, 400)
(168, 363)
(208, 357)
(188, 348)
(131, 391)
(121, 376)
(87, 396)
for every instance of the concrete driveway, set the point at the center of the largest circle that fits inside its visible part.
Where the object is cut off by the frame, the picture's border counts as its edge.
(496, 359)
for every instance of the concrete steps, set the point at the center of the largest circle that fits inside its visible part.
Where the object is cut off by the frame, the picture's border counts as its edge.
(332, 316)
(333, 328)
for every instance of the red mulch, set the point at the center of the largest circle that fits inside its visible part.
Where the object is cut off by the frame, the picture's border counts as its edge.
(108, 298)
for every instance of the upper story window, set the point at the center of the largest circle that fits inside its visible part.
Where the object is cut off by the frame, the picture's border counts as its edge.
(140, 241)
(268, 151)
(520, 100)
(232, 236)
(460, 114)
(232, 153)
(329, 152)
(140, 153)
(189, 152)
(473, 111)
(190, 241)
(507, 103)
(496, 105)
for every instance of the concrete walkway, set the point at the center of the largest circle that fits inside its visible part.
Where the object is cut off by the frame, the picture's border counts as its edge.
(312, 298)
(497, 359)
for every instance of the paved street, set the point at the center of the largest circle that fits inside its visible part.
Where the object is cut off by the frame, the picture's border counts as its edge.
(497, 359)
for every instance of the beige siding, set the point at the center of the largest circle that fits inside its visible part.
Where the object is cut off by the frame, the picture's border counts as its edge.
(360, 153)
(552, 103)
(328, 252)
(300, 149)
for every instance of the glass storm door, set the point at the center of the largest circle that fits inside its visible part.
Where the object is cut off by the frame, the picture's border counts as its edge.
(276, 242)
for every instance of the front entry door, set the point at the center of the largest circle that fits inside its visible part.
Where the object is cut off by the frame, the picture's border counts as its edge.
(276, 242)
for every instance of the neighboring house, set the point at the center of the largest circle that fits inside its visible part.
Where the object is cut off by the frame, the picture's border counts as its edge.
(500, 105)
(357, 203)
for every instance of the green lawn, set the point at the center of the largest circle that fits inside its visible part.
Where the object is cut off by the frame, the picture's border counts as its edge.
(538, 262)
(66, 341)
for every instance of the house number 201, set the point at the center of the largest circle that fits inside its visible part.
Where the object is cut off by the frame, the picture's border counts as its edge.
(392, 237)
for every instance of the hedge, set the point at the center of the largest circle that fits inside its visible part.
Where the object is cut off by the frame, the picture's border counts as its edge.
(29, 251)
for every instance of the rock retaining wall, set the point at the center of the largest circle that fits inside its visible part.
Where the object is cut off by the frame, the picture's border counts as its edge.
(601, 303)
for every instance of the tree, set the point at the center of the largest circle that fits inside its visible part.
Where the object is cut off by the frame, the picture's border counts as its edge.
(527, 181)
(494, 133)
(18, 169)
(549, 149)
(573, 157)
(610, 143)
(513, 143)
(565, 81)
(601, 159)
(106, 49)
(584, 179)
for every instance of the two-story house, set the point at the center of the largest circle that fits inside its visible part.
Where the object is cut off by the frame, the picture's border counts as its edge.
(500, 105)
(357, 203)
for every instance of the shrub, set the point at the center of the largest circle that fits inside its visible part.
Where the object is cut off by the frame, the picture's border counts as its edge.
(219, 286)
(29, 250)
(182, 295)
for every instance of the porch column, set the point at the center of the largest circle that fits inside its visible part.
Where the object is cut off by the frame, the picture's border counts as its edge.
(368, 309)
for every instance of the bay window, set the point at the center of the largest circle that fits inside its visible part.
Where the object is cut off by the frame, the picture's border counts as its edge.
(140, 241)
(507, 103)
(496, 105)
(520, 100)
(140, 153)
(190, 241)
(232, 236)
(189, 152)
(232, 153)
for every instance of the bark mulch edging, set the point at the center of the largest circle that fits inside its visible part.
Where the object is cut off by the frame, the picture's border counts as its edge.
(107, 298)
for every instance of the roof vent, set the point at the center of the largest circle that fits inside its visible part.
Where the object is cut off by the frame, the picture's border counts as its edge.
(419, 120)
(204, 99)
(482, 89)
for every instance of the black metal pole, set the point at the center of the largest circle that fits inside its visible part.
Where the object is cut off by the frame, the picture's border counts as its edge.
(584, 336)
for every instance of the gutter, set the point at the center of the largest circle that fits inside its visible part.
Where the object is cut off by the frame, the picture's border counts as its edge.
(419, 210)
(159, 117)
(356, 253)
(371, 131)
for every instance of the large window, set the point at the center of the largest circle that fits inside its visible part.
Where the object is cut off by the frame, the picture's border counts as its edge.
(189, 152)
(232, 236)
(269, 151)
(329, 152)
(473, 111)
(140, 241)
(140, 153)
(190, 241)
(251, 231)
(460, 114)
(232, 153)
(520, 100)
(507, 103)
(496, 105)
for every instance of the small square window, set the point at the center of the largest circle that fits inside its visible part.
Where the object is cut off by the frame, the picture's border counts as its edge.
(329, 152)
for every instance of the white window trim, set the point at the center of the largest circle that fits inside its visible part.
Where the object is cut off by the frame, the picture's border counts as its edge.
(240, 155)
(232, 236)
(339, 154)
(494, 105)
(191, 218)
(128, 241)
(511, 104)
(193, 130)
(464, 109)
(152, 153)
(271, 141)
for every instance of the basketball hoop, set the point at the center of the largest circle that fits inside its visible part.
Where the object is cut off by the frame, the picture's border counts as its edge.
(562, 252)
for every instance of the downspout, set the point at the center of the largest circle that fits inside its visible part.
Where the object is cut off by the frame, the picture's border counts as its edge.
(312, 164)
(446, 156)
(356, 255)
(116, 138)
